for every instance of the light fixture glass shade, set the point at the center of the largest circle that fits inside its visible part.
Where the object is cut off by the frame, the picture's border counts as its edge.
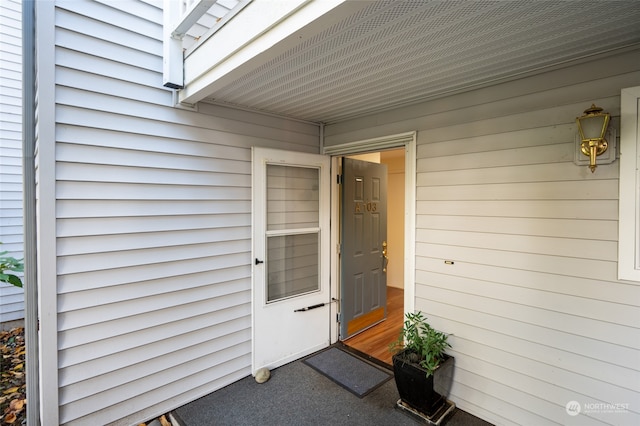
(593, 124)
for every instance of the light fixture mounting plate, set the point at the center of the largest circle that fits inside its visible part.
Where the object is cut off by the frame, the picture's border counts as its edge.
(607, 157)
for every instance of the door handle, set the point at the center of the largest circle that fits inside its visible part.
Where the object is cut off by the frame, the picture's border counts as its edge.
(308, 308)
(384, 255)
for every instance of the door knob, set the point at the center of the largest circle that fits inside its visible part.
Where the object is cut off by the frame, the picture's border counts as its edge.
(384, 254)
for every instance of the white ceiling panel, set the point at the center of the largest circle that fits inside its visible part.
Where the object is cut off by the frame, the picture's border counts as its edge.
(393, 53)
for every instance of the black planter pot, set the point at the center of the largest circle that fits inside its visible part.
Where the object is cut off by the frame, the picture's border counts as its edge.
(422, 393)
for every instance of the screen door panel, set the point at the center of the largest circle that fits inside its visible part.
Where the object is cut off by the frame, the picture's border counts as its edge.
(293, 201)
(292, 265)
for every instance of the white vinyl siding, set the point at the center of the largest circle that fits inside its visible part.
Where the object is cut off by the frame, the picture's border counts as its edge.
(537, 315)
(153, 222)
(11, 298)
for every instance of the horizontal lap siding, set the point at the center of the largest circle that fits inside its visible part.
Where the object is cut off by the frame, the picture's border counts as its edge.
(11, 234)
(537, 316)
(532, 299)
(153, 223)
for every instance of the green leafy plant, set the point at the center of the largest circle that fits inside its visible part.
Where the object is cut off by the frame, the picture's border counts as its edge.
(8, 267)
(424, 345)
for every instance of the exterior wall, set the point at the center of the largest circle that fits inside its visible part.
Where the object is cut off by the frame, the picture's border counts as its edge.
(537, 314)
(152, 221)
(11, 298)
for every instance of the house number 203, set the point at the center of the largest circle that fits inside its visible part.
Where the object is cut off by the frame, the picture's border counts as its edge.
(370, 207)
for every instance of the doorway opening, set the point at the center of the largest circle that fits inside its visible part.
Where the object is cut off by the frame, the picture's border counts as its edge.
(375, 340)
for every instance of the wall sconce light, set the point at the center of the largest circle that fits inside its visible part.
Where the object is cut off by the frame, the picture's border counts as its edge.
(592, 127)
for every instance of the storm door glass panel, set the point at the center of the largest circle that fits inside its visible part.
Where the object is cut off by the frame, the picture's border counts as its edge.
(293, 231)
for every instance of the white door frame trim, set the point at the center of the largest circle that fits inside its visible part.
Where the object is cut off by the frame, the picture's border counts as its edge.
(408, 141)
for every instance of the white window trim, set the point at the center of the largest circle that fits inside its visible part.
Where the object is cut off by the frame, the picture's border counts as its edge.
(629, 201)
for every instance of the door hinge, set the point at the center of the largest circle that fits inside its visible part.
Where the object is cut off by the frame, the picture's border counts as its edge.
(339, 317)
(340, 179)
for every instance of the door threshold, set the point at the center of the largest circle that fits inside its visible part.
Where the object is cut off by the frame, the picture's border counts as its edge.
(364, 356)
(367, 328)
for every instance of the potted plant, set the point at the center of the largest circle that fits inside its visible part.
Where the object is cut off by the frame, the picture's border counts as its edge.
(422, 370)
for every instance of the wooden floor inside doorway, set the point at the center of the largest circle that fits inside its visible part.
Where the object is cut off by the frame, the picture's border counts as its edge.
(375, 341)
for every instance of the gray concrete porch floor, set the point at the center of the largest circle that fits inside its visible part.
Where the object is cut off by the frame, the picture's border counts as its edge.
(296, 394)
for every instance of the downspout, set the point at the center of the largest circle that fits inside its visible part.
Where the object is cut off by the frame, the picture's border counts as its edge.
(29, 211)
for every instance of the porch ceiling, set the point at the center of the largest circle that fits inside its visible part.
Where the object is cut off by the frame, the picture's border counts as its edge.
(382, 54)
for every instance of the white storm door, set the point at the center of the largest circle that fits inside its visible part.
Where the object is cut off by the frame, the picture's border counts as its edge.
(290, 289)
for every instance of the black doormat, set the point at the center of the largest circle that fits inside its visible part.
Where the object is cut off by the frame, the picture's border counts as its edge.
(352, 373)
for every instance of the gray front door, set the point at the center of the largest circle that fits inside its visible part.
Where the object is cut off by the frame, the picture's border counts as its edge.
(363, 291)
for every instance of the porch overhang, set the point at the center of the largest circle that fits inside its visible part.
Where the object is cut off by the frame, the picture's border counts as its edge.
(261, 32)
(328, 61)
